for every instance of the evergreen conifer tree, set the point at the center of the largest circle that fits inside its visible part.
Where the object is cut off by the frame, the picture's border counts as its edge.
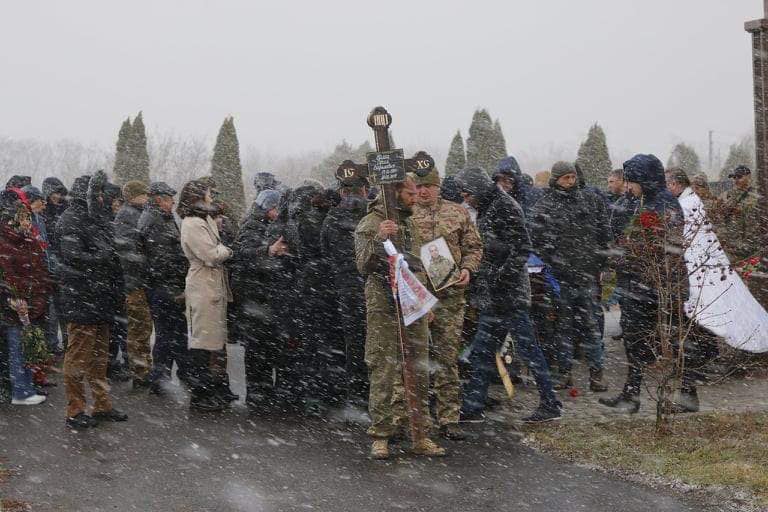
(500, 144)
(741, 153)
(482, 144)
(594, 158)
(685, 157)
(139, 157)
(121, 171)
(457, 159)
(227, 171)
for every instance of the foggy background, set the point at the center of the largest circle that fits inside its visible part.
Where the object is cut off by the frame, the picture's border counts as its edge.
(300, 77)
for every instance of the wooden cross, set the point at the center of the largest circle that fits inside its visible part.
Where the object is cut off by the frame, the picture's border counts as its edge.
(387, 167)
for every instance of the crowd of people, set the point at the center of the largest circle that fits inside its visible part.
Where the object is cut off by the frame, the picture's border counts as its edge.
(303, 283)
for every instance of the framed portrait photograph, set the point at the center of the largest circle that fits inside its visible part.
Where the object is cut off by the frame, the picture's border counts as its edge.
(439, 264)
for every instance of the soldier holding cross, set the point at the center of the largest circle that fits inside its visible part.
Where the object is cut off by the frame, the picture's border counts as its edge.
(387, 403)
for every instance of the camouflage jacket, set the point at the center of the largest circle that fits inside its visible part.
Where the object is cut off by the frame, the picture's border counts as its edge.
(450, 221)
(738, 228)
(371, 258)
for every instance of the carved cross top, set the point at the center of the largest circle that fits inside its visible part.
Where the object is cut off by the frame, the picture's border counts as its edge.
(387, 165)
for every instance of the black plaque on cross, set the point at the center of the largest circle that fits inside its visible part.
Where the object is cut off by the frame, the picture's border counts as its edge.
(386, 167)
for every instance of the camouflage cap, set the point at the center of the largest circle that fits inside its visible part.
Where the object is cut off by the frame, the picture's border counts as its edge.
(431, 178)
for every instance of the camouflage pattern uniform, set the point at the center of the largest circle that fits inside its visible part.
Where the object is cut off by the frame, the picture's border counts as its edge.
(386, 402)
(450, 221)
(739, 229)
(739, 232)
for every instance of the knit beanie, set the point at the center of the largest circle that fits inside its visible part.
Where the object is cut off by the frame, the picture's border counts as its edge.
(559, 170)
(133, 189)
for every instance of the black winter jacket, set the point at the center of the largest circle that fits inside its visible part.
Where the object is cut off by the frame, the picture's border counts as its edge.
(160, 245)
(90, 273)
(501, 285)
(570, 233)
(133, 262)
(337, 241)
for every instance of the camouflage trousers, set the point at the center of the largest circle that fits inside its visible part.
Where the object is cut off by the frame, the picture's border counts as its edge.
(444, 355)
(383, 355)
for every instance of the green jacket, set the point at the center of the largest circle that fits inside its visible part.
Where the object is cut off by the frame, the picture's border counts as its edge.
(371, 258)
(739, 229)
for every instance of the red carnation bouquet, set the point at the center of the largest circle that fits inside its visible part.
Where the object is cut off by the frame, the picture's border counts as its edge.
(749, 266)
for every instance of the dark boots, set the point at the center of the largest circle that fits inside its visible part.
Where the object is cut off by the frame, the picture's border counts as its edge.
(626, 401)
(596, 381)
(687, 401)
(564, 381)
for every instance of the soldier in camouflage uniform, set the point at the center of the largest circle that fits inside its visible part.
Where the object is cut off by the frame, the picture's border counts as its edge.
(435, 218)
(737, 221)
(386, 401)
(738, 217)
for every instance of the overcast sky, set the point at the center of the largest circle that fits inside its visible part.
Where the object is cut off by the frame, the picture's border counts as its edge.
(303, 75)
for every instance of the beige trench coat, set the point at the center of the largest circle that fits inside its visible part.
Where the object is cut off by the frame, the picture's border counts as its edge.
(207, 286)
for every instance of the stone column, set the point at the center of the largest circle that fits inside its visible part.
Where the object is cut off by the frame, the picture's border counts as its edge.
(759, 31)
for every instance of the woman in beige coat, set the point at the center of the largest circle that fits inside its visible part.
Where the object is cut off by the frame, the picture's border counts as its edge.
(207, 290)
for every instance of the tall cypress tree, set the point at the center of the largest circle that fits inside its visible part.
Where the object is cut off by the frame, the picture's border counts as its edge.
(227, 170)
(685, 157)
(481, 143)
(457, 159)
(500, 144)
(138, 150)
(594, 158)
(122, 168)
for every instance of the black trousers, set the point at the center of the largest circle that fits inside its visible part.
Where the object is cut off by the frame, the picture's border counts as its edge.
(263, 358)
(638, 323)
(200, 377)
(118, 340)
(354, 375)
(170, 323)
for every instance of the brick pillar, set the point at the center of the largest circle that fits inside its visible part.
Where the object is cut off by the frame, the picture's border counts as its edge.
(759, 31)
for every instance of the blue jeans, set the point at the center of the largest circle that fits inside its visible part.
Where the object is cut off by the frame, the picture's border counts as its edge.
(578, 318)
(491, 333)
(21, 376)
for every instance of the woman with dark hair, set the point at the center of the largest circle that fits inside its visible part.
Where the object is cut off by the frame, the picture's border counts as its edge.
(206, 292)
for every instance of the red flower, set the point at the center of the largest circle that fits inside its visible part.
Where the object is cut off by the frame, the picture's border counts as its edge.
(574, 392)
(649, 220)
(754, 260)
